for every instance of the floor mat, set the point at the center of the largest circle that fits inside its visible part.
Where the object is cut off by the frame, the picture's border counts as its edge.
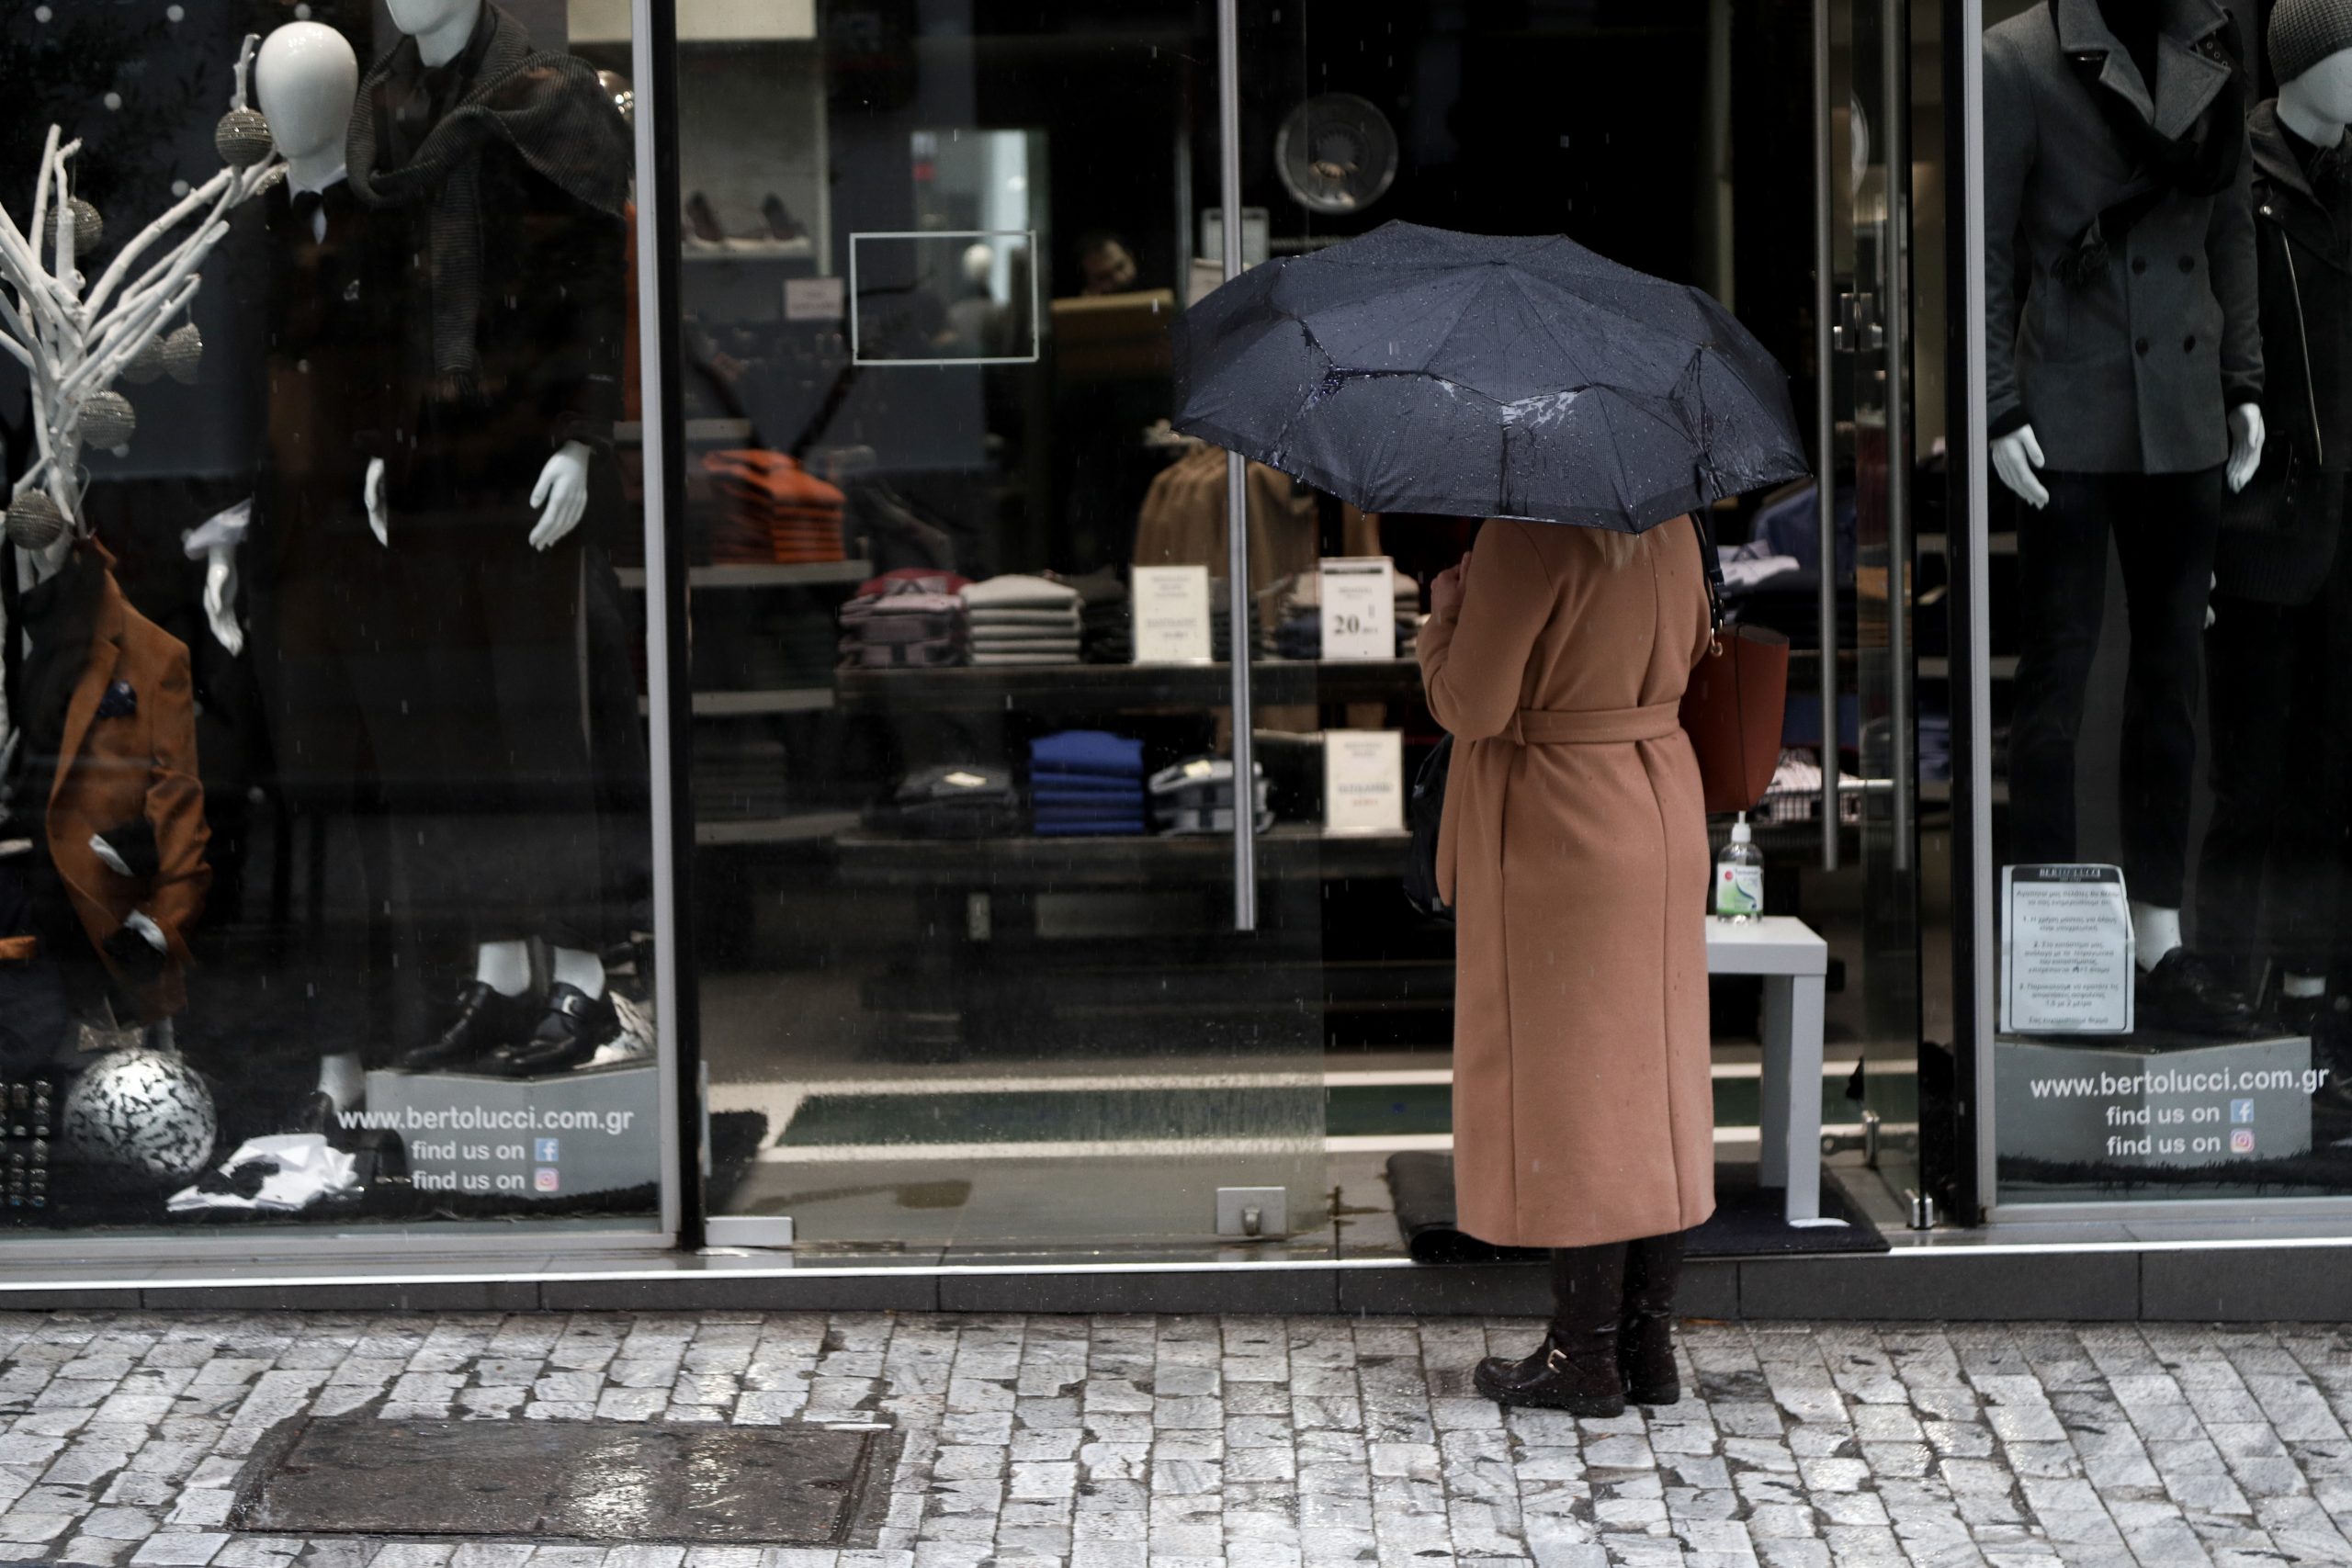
(1748, 1221)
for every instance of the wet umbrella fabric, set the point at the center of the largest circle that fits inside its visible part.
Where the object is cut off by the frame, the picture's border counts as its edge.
(1417, 369)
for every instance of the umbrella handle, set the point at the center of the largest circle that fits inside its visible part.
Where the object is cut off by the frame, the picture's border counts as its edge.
(1713, 563)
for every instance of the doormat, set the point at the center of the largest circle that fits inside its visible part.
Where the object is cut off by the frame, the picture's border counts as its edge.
(589, 1480)
(1748, 1221)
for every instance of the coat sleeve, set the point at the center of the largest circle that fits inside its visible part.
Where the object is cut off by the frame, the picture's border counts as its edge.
(175, 811)
(2229, 249)
(2012, 145)
(1474, 660)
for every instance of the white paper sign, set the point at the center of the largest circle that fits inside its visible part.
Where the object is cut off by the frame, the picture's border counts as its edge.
(813, 300)
(1170, 610)
(2065, 951)
(1359, 608)
(1363, 781)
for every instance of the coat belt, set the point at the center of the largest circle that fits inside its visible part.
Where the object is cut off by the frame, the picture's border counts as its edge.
(1593, 726)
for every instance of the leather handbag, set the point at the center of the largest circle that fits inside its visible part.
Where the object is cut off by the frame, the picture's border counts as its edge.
(1736, 702)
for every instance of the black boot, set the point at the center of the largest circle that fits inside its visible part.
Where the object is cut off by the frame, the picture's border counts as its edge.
(1645, 1331)
(485, 1020)
(1575, 1368)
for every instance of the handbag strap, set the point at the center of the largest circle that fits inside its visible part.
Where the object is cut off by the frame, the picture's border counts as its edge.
(1713, 563)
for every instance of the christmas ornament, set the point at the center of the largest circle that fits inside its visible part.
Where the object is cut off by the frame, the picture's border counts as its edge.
(142, 1113)
(145, 366)
(34, 521)
(242, 138)
(184, 354)
(88, 228)
(107, 420)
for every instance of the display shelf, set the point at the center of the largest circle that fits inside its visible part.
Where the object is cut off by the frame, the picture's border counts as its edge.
(1936, 667)
(761, 576)
(736, 432)
(745, 705)
(804, 828)
(1287, 849)
(1064, 688)
(802, 249)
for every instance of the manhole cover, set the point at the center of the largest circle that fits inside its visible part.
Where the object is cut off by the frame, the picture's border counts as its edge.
(577, 1480)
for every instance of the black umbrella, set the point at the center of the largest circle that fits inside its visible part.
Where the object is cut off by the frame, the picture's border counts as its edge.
(1417, 369)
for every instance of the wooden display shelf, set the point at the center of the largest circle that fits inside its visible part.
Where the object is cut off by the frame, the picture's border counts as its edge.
(1109, 688)
(1287, 849)
(761, 576)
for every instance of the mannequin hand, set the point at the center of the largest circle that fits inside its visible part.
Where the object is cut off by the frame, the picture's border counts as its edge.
(561, 494)
(1445, 589)
(220, 597)
(2015, 458)
(2246, 437)
(372, 494)
(149, 930)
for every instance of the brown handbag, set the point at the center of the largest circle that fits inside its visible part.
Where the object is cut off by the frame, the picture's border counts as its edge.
(1736, 701)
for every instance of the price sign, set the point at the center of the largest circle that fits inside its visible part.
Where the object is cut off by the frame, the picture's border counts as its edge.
(1170, 606)
(1359, 608)
(1363, 781)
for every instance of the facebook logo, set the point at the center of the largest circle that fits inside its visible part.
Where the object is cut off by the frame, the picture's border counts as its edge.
(2241, 1111)
(546, 1149)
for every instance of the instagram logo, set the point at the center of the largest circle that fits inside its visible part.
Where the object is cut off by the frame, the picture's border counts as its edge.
(2241, 1141)
(547, 1179)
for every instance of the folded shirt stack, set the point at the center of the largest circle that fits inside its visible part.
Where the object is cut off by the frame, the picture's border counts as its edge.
(912, 618)
(1221, 622)
(1195, 795)
(1106, 632)
(955, 800)
(766, 497)
(1023, 620)
(1085, 782)
(1293, 608)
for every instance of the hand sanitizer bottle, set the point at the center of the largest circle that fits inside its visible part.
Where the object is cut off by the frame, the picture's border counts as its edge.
(1739, 876)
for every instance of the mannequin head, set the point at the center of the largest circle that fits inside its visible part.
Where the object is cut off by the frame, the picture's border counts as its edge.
(441, 28)
(2317, 104)
(306, 77)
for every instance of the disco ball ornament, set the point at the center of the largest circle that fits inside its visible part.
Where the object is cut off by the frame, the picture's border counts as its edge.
(184, 354)
(107, 420)
(34, 521)
(88, 228)
(147, 364)
(141, 1113)
(242, 138)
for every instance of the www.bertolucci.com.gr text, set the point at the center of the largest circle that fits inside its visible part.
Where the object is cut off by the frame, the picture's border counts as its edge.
(476, 1119)
(2250, 1080)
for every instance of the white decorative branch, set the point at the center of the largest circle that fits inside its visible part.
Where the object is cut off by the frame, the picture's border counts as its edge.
(74, 343)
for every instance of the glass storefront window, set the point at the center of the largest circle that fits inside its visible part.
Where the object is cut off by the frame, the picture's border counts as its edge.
(324, 843)
(2166, 763)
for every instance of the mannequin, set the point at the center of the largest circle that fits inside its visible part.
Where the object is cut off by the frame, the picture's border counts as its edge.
(496, 179)
(2271, 873)
(2124, 391)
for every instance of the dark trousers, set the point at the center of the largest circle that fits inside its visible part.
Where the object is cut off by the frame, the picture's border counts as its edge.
(2164, 526)
(2270, 876)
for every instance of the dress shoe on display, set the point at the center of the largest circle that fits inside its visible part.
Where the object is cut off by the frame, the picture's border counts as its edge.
(782, 224)
(315, 1116)
(486, 1020)
(2189, 994)
(702, 221)
(575, 1025)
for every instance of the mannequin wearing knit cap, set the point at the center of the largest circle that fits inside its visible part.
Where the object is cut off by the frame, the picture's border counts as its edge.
(2271, 881)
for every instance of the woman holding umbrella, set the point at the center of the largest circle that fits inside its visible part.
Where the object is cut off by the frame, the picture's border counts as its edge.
(1532, 383)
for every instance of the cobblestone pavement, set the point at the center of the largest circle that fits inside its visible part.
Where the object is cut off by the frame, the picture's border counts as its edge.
(1139, 1443)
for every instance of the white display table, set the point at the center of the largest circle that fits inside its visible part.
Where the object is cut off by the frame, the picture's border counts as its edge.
(1793, 963)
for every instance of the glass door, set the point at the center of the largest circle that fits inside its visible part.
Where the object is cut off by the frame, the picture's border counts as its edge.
(973, 972)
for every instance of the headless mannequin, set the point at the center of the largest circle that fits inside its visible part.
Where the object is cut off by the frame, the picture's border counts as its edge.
(443, 31)
(2017, 457)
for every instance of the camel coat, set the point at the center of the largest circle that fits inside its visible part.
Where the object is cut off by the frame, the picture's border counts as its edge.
(1574, 854)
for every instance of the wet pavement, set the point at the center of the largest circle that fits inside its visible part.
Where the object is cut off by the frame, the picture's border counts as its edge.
(1142, 1443)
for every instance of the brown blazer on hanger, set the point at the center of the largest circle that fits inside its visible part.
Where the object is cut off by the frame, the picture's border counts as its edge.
(120, 768)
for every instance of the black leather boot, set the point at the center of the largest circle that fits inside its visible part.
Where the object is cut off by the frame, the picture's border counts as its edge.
(1575, 1368)
(575, 1026)
(1645, 1330)
(485, 1020)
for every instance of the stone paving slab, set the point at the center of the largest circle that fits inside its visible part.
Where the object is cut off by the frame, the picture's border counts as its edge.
(1250, 1442)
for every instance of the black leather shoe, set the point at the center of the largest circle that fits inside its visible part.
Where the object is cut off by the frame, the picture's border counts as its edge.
(486, 1018)
(1582, 1381)
(1645, 1330)
(2188, 993)
(314, 1116)
(576, 1024)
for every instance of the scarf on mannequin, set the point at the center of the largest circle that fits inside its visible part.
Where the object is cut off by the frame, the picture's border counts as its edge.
(547, 109)
(2202, 161)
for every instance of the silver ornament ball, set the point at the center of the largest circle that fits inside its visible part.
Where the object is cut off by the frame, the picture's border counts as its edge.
(141, 1113)
(184, 354)
(34, 521)
(147, 365)
(107, 420)
(88, 228)
(242, 138)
